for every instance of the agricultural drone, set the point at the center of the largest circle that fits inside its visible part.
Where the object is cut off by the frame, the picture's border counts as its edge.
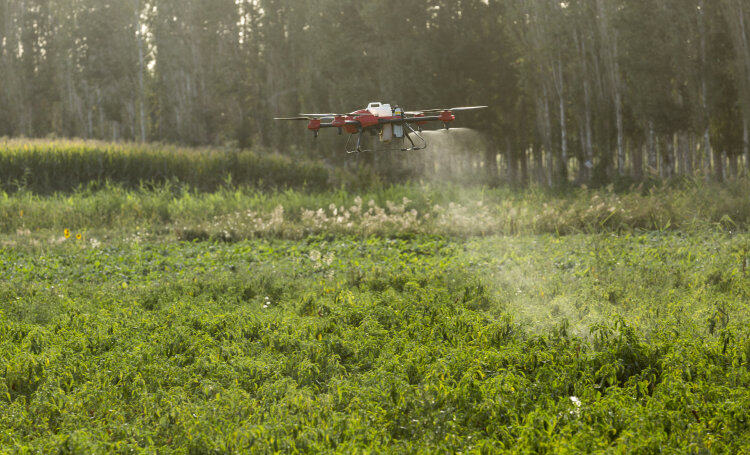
(390, 124)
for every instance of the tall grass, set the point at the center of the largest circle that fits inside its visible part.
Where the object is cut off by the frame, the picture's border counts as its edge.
(387, 210)
(46, 166)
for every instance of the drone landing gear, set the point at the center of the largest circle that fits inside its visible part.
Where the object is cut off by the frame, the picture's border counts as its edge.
(419, 145)
(421, 139)
(357, 148)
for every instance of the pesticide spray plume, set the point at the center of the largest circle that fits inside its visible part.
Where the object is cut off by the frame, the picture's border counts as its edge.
(452, 155)
(458, 156)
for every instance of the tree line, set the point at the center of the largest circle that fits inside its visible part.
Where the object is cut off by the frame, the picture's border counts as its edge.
(580, 90)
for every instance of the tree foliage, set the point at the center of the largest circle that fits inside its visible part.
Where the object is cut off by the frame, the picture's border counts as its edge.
(579, 90)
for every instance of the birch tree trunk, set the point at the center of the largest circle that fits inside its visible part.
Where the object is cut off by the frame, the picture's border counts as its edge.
(611, 58)
(620, 133)
(707, 153)
(637, 159)
(536, 153)
(524, 168)
(512, 165)
(746, 141)
(547, 135)
(745, 47)
(704, 89)
(668, 158)
(692, 154)
(581, 162)
(651, 148)
(682, 153)
(141, 70)
(490, 162)
(586, 138)
(559, 81)
(101, 130)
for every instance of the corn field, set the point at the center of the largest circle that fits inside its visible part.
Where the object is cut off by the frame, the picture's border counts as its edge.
(44, 166)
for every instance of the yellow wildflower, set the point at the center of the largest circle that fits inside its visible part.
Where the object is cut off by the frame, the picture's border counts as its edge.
(66, 233)
(79, 236)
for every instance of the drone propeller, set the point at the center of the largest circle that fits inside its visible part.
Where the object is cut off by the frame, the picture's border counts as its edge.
(327, 115)
(452, 109)
(467, 108)
(310, 117)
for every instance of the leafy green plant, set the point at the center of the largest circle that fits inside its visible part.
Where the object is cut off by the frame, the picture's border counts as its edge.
(384, 344)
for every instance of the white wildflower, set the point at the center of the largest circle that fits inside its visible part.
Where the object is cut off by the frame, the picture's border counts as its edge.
(577, 403)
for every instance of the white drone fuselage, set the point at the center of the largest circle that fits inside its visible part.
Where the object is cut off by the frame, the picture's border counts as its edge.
(388, 131)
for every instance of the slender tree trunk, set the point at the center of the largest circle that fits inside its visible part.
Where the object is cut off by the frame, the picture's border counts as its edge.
(682, 153)
(707, 153)
(89, 124)
(141, 70)
(76, 121)
(611, 57)
(704, 89)
(692, 152)
(620, 132)
(587, 141)
(743, 38)
(582, 157)
(512, 165)
(524, 168)
(637, 159)
(560, 85)
(660, 158)
(536, 152)
(746, 141)
(490, 163)
(548, 165)
(589, 157)
(668, 161)
(718, 165)
(651, 144)
(101, 131)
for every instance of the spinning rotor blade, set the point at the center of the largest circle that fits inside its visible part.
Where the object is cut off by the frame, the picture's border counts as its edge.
(452, 109)
(466, 108)
(311, 117)
(328, 115)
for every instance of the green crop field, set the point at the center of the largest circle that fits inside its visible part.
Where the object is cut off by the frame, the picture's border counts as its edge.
(176, 318)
